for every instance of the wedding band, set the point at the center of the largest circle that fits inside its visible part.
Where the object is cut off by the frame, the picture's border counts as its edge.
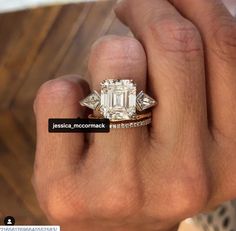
(131, 124)
(119, 103)
(140, 121)
(137, 117)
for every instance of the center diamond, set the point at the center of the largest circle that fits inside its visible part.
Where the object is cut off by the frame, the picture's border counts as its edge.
(118, 99)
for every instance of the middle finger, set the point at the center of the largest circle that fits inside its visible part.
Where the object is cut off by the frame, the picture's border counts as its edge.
(176, 67)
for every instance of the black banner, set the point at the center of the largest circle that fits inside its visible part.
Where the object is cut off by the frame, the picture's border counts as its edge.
(78, 125)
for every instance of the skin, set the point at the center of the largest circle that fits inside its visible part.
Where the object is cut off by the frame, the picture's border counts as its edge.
(149, 178)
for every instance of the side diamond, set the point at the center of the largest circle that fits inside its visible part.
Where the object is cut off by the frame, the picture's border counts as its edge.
(92, 101)
(144, 101)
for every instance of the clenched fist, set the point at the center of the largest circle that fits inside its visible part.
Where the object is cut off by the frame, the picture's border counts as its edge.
(148, 178)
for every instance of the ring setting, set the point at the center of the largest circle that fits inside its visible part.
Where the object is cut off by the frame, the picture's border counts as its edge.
(120, 103)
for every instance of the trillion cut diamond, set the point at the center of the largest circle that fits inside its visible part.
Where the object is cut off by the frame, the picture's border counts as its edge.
(92, 101)
(118, 99)
(144, 101)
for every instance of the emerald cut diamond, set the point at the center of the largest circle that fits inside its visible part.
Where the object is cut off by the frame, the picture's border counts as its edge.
(118, 99)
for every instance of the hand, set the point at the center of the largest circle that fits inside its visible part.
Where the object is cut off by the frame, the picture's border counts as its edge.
(147, 178)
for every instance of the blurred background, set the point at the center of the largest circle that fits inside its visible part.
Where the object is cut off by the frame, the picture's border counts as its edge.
(37, 45)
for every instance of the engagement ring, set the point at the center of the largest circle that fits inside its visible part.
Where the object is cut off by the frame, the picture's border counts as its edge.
(120, 103)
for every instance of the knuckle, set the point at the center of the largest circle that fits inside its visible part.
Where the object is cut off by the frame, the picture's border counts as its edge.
(187, 193)
(115, 47)
(121, 6)
(190, 200)
(191, 192)
(59, 198)
(51, 88)
(185, 200)
(62, 201)
(176, 36)
(225, 40)
(117, 205)
(54, 90)
(58, 207)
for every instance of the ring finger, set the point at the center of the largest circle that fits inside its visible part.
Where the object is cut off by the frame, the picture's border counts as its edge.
(115, 57)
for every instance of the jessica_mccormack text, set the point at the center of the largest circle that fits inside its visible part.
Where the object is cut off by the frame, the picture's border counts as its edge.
(78, 125)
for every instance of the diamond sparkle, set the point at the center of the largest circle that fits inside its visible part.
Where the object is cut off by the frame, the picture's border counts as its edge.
(144, 101)
(92, 101)
(118, 99)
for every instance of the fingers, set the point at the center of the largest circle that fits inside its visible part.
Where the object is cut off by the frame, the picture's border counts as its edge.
(58, 154)
(231, 6)
(175, 63)
(115, 57)
(218, 29)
